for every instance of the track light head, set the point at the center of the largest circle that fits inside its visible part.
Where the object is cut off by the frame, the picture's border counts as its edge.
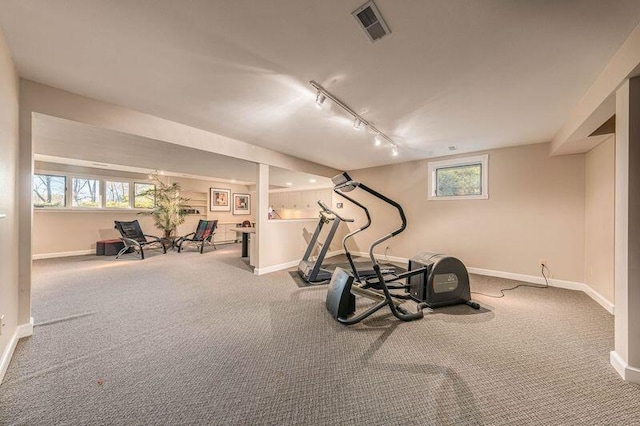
(358, 122)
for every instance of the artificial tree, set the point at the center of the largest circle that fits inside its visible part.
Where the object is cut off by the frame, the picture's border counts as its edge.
(170, 208)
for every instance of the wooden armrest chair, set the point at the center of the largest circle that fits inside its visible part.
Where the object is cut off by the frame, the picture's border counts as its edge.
(203, 235)
(133, 238)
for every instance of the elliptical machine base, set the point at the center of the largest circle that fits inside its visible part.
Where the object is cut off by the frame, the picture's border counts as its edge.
(445, 281)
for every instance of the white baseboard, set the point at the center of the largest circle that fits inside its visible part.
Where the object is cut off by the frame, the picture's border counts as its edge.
(628, 373)
(569, 285)
(21, 331)
(62, 254)
(287, 265)
(275, 268)
(334, 253)
(25, 330)
(7, 354)
(600, 299)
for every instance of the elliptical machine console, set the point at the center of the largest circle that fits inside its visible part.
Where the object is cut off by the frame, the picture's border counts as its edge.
(432, 279)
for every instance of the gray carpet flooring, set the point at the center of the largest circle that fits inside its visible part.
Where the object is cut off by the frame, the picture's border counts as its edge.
(198, 339)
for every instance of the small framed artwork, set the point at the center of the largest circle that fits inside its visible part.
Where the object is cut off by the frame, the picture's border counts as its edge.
(220, 200)
(241, 204)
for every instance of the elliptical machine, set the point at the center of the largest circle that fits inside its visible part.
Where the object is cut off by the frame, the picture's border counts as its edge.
(433, 279)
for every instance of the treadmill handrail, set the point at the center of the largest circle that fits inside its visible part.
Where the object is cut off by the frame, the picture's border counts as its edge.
(328, 210)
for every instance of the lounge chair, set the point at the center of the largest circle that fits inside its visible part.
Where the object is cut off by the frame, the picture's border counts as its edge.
(203, 235)
(133, 238)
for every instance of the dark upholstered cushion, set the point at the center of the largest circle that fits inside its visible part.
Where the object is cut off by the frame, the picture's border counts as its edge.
(131, 230)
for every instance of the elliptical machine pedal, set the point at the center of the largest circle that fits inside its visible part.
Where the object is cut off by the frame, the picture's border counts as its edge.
(340, 302)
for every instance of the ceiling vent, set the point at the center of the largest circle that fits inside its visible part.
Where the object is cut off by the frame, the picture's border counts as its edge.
(370, 20)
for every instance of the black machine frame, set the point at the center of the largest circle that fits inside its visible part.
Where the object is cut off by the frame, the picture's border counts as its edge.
(341, 294)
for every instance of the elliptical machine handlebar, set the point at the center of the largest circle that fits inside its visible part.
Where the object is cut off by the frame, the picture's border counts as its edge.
(392, 234)
(344, 183)
(352, 233)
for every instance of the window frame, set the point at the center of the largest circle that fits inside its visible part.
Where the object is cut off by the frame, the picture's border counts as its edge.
(434, 166)
(133, 199)
(69, 176)
(104, 193)
(66, 189)
(100, 192)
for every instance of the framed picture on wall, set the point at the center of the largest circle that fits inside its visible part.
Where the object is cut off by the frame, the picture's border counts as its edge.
(241, 204)
(220, 200)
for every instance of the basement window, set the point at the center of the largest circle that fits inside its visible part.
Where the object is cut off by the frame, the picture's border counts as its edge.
(144, 196)
(49, 191)
(56, 191)
(459, 179)
(117, 195)
(85, 193)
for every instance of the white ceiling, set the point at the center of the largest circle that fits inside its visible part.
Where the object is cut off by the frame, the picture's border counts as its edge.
(474, 74)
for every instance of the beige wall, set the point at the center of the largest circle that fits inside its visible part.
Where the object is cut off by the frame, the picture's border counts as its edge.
(535, 211)
(599, 218)
(8, 171)
(64, 232)
(204, 186)
(286, 241)
(78, 231)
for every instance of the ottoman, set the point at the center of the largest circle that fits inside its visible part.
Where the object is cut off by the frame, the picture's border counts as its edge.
(109, 247)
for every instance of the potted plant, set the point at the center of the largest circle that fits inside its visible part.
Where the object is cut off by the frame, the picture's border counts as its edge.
(170, 208)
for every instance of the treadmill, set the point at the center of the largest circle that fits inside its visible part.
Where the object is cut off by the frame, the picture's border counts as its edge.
(313, 271)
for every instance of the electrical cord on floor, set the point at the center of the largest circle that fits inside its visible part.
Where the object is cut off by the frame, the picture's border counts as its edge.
(546, 285)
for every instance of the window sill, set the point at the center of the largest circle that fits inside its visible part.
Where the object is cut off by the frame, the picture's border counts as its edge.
(300, 219)
(80, 210)
(458, 197)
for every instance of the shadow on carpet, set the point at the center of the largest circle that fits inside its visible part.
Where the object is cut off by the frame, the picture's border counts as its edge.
(302, 283)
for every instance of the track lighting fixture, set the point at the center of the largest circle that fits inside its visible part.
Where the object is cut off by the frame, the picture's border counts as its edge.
(358, 121)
